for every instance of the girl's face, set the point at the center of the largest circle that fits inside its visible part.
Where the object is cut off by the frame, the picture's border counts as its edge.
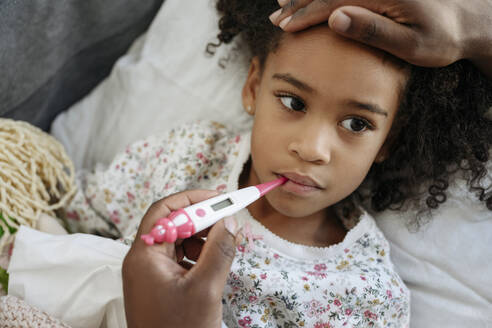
(323, 107)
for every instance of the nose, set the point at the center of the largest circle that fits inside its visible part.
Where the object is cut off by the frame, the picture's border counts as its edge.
(313, 144)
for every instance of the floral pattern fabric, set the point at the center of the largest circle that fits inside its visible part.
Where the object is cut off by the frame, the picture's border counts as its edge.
(273, 283)
(351, 284)
(111, 201)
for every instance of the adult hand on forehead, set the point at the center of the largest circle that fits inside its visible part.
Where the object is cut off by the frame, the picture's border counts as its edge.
(159, 291)
(422, 32)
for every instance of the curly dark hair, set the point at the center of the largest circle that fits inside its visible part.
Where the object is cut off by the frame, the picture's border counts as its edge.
(440, 127)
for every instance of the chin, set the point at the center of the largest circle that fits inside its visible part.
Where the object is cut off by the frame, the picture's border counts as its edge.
(289, 207)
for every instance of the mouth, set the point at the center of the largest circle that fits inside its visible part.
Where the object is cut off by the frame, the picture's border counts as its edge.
(298, 183)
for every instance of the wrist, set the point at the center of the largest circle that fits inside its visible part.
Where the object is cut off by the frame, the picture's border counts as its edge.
(484, 64)
(476, 44)
(478, 50)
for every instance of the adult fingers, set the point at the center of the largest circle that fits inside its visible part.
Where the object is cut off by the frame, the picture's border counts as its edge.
(288, 7)
(192, 248)
(180, 253)
(215, 261)
(375, 30)
(203, 233)
(186, 265)
(163, 207)
(300, 14)
(293, 3)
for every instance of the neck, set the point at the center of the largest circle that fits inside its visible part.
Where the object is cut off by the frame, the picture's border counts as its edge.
(318, 229)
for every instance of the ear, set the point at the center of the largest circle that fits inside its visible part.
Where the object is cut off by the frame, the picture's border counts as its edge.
(252, 86)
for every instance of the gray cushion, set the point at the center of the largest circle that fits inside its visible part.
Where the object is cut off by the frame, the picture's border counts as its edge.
(53, 52)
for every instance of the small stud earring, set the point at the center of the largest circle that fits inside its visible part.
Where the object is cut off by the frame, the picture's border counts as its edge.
(248, 109)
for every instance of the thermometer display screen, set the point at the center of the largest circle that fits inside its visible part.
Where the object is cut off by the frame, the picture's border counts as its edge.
(222, 204)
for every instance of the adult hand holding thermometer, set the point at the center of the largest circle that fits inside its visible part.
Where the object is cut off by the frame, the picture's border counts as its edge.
(187, 221)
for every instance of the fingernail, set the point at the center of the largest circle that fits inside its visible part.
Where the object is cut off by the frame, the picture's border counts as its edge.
(282, 2)
(285, 21)
(273, 17)
(231, 225)
(339, 22)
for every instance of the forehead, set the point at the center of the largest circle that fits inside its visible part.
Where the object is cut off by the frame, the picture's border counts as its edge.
(320, 56)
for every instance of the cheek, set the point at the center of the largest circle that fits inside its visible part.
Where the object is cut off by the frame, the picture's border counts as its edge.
(268, 136)
(264, 145)
(351, 172)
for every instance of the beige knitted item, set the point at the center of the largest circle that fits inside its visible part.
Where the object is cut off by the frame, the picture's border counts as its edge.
(36, 176)
(15, 313)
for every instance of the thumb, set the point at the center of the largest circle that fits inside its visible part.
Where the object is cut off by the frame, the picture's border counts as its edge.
(216, 258)
(374, 30)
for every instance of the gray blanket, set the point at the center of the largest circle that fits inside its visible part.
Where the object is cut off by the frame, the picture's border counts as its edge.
(52, 52)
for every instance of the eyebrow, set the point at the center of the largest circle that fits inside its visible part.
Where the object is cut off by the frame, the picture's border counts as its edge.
(295, 82)
(374, 108)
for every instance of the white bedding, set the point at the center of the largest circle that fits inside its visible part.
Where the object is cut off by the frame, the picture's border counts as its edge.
(165, 79)
(58, 261)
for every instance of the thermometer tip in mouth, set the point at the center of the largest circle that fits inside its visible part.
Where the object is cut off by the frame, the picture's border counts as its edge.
(268, 186)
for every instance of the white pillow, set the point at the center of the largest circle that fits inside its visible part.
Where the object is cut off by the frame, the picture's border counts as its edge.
(164, 79)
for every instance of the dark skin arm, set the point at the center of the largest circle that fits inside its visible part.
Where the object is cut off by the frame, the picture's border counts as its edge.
(425, 33)
(160, 290)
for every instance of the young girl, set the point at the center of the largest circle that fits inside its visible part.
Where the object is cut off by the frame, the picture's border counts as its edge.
(347, 125)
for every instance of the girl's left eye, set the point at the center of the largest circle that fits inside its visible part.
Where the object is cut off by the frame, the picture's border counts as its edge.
(356, 125)
(292, 103)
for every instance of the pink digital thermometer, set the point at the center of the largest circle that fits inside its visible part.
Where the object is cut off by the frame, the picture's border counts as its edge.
(189, 220)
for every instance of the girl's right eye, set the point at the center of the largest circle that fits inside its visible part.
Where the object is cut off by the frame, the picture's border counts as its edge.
(292, 103)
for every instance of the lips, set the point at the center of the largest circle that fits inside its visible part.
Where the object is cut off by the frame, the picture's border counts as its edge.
(302, 180)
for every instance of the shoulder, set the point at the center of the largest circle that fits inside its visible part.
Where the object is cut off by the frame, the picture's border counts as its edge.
(370, 250)
(385, 293)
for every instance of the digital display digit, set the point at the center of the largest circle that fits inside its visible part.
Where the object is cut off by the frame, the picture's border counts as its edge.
(222, 204)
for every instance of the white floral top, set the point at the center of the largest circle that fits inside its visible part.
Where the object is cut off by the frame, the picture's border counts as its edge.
(275, 283)
(272, 283)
